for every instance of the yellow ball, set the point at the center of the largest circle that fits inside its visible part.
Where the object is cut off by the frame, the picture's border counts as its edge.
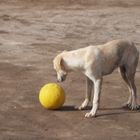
(52, 96)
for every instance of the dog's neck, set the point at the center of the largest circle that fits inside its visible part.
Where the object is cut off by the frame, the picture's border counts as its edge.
(72, 61)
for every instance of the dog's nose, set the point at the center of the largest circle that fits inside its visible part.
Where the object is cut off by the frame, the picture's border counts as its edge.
(59, 80)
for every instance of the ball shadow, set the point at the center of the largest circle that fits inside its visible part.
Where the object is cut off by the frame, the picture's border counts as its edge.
(72, 108)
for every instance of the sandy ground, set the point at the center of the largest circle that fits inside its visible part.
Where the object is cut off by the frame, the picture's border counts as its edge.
(31, 34)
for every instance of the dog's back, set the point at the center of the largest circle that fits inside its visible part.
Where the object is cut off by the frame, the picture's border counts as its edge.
(117, 53)
(125, 50)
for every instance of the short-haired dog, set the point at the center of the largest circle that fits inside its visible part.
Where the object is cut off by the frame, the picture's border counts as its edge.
(97, 61)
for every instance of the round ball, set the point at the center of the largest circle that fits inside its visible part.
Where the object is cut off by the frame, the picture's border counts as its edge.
(52, 96)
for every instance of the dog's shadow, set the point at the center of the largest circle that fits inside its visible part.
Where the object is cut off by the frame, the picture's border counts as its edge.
(110, 111)
(117, 111)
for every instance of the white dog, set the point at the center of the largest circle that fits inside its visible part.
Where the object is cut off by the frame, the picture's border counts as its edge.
(97, 61)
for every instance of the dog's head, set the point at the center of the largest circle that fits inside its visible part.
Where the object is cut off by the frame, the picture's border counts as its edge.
(59, 67)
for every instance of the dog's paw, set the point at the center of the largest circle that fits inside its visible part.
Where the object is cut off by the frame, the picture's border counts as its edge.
(135, 107)
(131, 106)
(127, 106)
(84, 104)
(90, 115)
(78, 107)
(82, 107)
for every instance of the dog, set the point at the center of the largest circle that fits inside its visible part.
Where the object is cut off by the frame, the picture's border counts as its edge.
(97, 61)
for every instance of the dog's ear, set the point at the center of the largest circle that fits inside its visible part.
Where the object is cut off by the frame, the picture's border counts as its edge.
(58, 62)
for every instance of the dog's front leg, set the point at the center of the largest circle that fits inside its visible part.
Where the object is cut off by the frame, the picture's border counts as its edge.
(89, 86)
(96, 99)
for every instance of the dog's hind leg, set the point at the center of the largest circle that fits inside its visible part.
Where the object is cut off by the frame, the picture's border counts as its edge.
(124, 76)
(130, 69)
(134, 105)
(89, 87)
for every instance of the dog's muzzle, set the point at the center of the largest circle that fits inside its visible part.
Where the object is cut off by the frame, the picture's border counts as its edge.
(61, 79)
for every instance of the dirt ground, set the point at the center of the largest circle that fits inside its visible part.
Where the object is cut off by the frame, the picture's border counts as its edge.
(31, 33)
